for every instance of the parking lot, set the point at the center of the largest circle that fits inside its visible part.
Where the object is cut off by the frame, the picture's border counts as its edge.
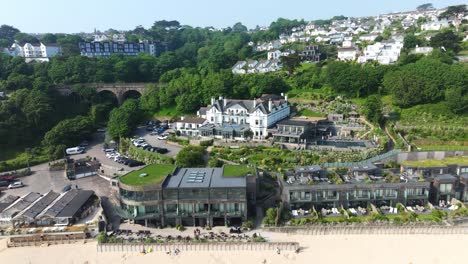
(155, 142)
(42, 180)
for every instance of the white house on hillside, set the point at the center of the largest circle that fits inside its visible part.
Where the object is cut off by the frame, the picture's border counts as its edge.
(33, 52)
(435, 25)
(347, 53)
(188, 126)
(383, 52)
(259, 114)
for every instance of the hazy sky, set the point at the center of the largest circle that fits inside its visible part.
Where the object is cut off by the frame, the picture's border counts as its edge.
(70, 16)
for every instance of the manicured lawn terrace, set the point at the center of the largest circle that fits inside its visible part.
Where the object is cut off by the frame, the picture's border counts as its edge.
(309, 113)
(237, 170)
(156, 174)
(463, 160)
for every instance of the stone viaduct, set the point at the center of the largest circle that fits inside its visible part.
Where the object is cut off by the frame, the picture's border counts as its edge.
(120, 90)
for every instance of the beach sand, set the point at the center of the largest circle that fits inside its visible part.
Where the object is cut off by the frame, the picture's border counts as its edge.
(382, 249)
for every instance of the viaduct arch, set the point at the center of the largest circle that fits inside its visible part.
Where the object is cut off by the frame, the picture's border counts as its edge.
(118, 89)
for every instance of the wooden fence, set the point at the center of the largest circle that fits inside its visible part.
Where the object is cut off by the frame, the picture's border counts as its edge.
(40, 239)
(371, 230)
(210, 246)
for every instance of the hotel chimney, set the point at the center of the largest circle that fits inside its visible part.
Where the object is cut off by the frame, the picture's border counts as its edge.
(270, 105)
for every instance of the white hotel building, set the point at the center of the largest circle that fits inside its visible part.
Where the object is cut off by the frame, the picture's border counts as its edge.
(33, 52)
(259, 114)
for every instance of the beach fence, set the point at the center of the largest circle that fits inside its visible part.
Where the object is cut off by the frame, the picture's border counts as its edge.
(245, 246)
(371, 230)
(49, 239)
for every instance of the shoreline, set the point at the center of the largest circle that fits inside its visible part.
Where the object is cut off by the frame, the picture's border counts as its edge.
(385, 249)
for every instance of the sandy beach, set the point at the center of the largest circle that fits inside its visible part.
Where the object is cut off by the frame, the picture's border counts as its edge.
(382, 249)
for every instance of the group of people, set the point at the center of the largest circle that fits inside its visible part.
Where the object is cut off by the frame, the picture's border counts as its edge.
(175, 252)
(196, 232)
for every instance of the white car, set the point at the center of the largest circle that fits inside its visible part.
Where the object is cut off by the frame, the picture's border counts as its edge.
(113, 155)
(16, 184)
(162, 137)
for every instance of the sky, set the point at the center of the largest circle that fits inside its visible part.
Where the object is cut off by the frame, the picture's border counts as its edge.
(73, 16)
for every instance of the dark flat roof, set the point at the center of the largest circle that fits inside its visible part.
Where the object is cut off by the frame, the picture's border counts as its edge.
(445, 177)
(290, 122)
(78, 201)
(203, 178)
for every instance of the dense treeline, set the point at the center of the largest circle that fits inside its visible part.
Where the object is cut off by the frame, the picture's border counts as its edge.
(195, 68)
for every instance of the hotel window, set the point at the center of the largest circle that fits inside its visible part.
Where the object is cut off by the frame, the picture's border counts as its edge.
(446, 188)
(256, 122)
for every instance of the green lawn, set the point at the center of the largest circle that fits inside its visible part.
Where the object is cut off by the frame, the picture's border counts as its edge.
(156, 174)
(463, 160)
(309, 113)
(237, 170)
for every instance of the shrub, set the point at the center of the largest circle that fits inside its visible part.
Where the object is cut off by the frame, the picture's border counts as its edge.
(206, 143)
(247, 225)
(102, 237)
(180, 227)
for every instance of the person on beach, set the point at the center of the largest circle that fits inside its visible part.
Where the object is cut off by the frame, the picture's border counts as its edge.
(278, 251)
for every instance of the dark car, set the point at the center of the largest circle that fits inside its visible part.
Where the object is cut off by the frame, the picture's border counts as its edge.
(7, 178)
(150, 128)
(66, 188)
(147, 147)
(4, 184)
(162, 150)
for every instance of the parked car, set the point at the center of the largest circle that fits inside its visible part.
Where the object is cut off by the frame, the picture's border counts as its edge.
(162, 150)
(8, 178)
(66, 188)
(149, 128)
(107, 150)
(4, 183)
(135, 163)
(84, 143)
(16, 184)
(162, 137)
(74, 150)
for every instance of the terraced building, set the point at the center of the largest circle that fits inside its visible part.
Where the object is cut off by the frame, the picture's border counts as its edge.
(162, 195)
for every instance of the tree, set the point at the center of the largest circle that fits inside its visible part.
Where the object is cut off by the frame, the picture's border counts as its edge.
(373, 109)
(447, 40)
(238, 27)
(123, 120)
(49, 38)
(25, 38)
(67, 133)
(425, 7)
(291, 62)
(457, 100)
(411, 41)
(191, 156)
(8, 33)
(453, 11)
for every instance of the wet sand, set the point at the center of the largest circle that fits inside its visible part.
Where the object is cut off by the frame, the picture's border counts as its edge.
(382, 249)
